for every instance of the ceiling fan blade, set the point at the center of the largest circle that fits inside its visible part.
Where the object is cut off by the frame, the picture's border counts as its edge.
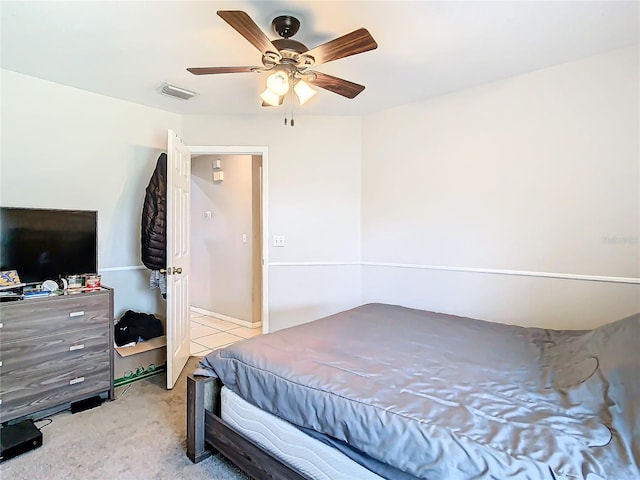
(337, 85)
(350, 44)
(246, 27)
(213, 70)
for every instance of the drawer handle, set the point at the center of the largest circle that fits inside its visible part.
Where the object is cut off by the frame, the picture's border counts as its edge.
(77, 314)
(73, 381)
(73, 348)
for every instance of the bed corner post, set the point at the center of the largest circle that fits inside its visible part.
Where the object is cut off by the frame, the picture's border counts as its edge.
(200, 398)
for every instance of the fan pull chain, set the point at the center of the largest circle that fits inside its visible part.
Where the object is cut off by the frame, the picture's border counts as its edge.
(284, 102)
(293, 102)
(289, 98)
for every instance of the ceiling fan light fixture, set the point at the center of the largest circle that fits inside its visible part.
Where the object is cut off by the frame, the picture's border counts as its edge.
(271, 98)
(278, 83)
(303, 91)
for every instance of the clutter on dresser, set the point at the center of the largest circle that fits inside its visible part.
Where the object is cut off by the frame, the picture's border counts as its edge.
(11, 287)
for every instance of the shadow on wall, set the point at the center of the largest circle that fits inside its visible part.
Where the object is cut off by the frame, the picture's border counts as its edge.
(290, 317)
(512, 299)
(122, 247)
(132, 292)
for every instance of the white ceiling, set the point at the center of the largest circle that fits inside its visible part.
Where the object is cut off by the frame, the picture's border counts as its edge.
(128, 49)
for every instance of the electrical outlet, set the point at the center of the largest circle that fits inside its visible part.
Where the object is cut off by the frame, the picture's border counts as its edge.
(207, 215)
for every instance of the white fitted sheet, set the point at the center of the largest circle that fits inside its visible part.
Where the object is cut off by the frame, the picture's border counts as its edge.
(287, 443)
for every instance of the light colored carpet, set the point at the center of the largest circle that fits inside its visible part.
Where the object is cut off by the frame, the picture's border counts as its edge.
(139, 436)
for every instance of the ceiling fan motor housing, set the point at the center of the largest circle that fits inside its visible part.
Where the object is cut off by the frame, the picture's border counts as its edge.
(285, 25)
(289, 50)
(289, 45)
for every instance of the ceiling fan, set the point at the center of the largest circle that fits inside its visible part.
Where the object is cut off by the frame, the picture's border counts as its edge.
(289, 62)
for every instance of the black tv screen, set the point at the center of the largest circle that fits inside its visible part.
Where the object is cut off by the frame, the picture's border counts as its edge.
(44, 244)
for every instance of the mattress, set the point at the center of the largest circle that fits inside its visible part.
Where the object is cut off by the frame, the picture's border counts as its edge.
(287, 443)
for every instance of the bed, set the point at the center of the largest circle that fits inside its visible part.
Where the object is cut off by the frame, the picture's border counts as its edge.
(407, 394)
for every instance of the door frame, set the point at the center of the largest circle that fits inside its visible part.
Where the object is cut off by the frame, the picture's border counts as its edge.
(264, 194)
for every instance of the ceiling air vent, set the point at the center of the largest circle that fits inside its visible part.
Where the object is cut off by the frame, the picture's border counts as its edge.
(177, 92)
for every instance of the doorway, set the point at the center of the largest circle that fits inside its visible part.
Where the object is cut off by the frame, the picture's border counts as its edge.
(228, 284)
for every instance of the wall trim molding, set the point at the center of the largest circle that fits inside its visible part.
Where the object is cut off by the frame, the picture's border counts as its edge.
(450, 268)
(120, 269)
(237, 321)
(521, 273)
(312, 264)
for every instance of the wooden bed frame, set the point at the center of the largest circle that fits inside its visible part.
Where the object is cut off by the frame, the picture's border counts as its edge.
(207, 433)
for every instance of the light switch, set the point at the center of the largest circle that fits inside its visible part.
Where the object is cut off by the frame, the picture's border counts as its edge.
(278, 240)
(244, 238)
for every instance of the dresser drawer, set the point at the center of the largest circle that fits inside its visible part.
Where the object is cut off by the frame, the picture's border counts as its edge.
(39, 317)
(35, 354)
(23, 394)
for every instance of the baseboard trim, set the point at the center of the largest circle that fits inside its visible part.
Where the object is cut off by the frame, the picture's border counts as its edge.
(227, 318)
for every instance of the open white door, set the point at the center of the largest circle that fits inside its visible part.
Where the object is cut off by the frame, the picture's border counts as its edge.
(178, 256)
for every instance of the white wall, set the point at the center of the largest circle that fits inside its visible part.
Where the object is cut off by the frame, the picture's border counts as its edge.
(313, 200)
(535, 173)
(68, 148)
(538, 172)
(221, 267)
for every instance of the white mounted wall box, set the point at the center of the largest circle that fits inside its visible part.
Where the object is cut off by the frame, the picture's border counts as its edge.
(218, 176)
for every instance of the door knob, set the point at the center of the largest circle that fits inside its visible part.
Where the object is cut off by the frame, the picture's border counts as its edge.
(176, 270)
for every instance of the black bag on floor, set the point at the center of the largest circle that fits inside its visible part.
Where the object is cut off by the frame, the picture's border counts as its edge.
(133, 326)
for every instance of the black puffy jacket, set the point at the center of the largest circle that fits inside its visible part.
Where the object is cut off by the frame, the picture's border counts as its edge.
(154, 227)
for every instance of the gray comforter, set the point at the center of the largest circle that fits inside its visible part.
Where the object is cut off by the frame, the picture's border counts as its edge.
(444, 397)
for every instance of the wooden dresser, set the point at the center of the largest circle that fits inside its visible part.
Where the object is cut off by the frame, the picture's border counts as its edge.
(54, 351)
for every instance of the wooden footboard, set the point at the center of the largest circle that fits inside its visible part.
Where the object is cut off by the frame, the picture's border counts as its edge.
(207, 433)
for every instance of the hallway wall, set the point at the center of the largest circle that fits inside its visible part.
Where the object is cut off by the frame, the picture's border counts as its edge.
(222, 245)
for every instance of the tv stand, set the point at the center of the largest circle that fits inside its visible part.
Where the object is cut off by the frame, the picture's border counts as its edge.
(54, 351)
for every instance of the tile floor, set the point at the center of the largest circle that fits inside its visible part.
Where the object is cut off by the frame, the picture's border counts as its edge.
(209, 333)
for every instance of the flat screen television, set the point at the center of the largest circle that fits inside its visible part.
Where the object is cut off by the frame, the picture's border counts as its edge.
(46, 244)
